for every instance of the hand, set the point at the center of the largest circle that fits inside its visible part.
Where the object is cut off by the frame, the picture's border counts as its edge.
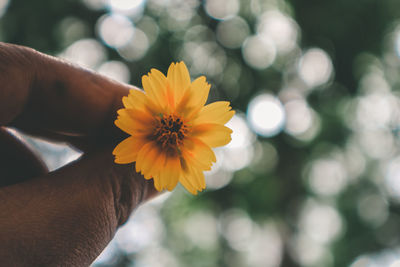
(65, 217)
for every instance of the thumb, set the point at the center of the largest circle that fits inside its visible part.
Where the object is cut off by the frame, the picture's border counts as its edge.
(70, 214)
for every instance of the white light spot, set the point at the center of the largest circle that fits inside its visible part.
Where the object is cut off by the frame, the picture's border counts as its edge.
(376, 143)
(265, 248)
(115, 70)
(136, 48)
(3, 6)
(298, 117)
(86, 52)
(126, 7)
(375, 110)
(237, 228)
(115, 30)
(321, 222)
(231, 33)
(218, 178)
(362, 262)
(315, 67)
(266, 115)
(392, 178)
(258, 52)
(327, 177)
(397, 43)
(204, 57)
(150, 27)
(222, 9)
(307, 251)
(282, 30)
(242, 137)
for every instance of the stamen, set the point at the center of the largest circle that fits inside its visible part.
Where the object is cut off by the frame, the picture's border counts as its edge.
(170, 132)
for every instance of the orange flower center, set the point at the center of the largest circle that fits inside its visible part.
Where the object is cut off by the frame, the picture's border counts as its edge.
(169, 132)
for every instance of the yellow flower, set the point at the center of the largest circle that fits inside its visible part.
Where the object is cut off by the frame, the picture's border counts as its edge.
(172, 132)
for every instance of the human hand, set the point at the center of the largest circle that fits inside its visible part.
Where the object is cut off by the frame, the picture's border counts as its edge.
(65, 217)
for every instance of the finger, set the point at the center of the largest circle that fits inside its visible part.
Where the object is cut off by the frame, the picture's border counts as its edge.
(71, 213)
(45, 94)
(18, 162)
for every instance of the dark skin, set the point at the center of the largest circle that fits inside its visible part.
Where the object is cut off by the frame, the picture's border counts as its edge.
(65, 217)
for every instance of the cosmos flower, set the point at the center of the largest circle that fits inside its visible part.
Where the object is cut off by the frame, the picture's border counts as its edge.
(172, 130)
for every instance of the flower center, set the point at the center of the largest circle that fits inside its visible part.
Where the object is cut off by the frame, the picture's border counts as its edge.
(169, 132)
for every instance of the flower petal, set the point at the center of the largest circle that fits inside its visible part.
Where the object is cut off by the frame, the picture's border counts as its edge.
(218, 112)
(170, 174)
(127, 150)
(140, 120)
(212, 134)
(136, 98)
(179, 79)
(194, 98)
(125, 123)
(193, 180)
(158, 167)
(185, 182)
(142, 156)
(155, 86)
(148, 163)
(196, 150)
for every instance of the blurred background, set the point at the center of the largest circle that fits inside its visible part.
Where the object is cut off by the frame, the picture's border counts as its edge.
(312, 175)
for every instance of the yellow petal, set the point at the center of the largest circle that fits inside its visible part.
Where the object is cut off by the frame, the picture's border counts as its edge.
(200, 90)
(185, 182)
(157, 169)
(196, 150)
(192, 161)
(141, 120)
(178, 79)
(193, 180)
(155, 86)
(212, 134)
(135, 99)
(170, 175)
(126, 124)
(194, 98)
(218, 112)
(158, 164)
(142, 156)
(127, 150)
(157, 185)
(148, 163)
(198, 175)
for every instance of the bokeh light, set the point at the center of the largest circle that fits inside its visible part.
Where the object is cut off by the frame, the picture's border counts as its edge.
(231, 33)
(88, 53)
(315, 67)
(327, 177)
(3, 6)
(259, 52)
(222, 9)
(115, 30)
(116, 70)
(266, 115)
(126, 7)
(282, 30)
